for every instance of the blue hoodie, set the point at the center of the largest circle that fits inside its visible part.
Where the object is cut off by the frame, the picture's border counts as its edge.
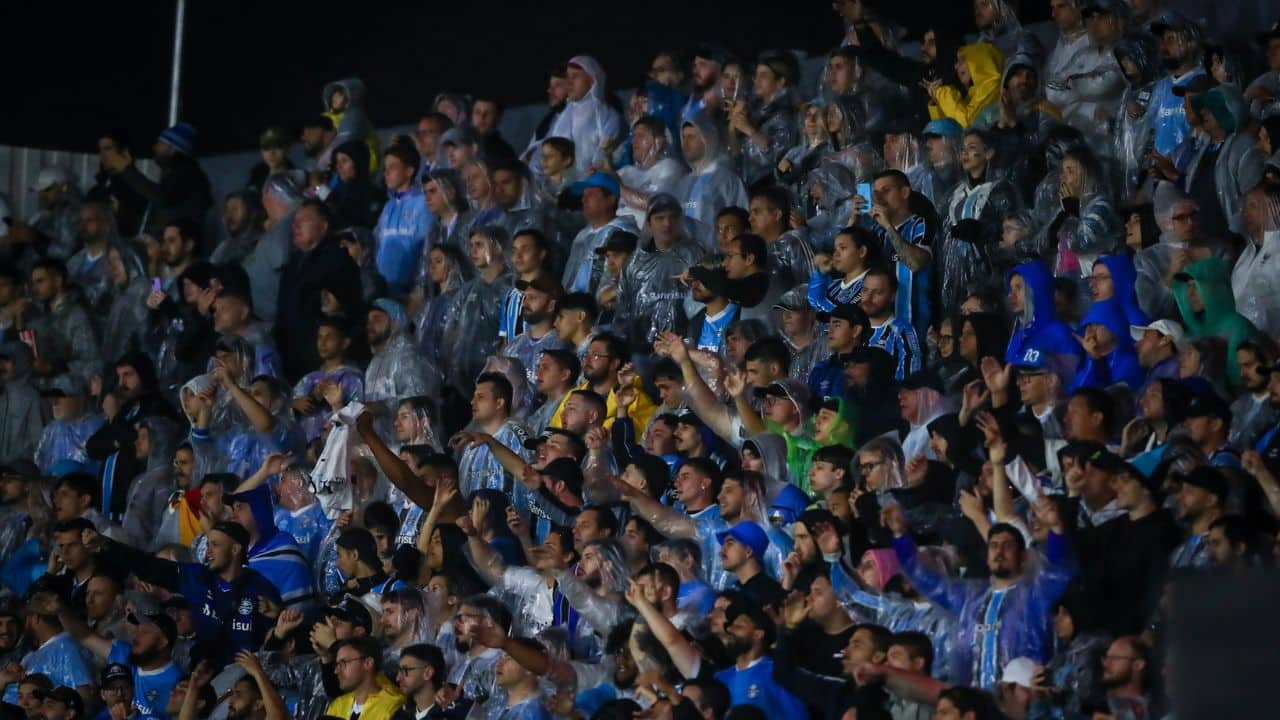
(1119, 366)
(276, 555)
(1045, 332)
(1124, 278)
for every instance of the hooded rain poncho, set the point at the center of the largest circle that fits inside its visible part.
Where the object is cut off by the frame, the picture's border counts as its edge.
(1037, 326)
(985, 63)
(1219, 317)
(712, 185)
(588, 121)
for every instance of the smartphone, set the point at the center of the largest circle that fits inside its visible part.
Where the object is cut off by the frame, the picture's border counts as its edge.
(864, 190)
(156, 284)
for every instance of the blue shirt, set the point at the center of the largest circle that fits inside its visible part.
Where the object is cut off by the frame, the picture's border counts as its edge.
(510, 324)
(713, 327)
(401, 231)
(913, 287)
(151, 688)
(898, 339)
(696, 595)
(1168, 114)
(754, 685)
(62, 659)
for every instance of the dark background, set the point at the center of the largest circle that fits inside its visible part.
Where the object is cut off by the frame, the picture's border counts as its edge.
(76, 68)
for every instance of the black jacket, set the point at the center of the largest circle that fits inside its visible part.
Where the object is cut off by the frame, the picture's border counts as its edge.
(298, 304)
(182, 193)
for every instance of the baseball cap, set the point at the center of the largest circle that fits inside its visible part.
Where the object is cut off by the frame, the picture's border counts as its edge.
(1208, 404)
(159, 620)
(793, 300)
(564, 470)
(142, 602)
(20, 468)
(68, 385)
(1167, 328)
(1169, 20)
(662, 202)
(1201, 83)
(923, 379)
(1019, 671)
(542, 282)
(1209, 479)
(689, 417)
(49, 177)
(792, 389)
(620, 241)
(273, 137)
(605, 182)
(64, 695)
(351, 610)
(115, 671)
(1033, 359)
(1107, 461)
(748, 533)
(851, 313)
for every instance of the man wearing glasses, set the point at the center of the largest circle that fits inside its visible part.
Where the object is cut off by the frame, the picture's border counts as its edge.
(420, 674)
(367, 693)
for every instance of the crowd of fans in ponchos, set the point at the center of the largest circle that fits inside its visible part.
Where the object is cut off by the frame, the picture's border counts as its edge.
(910, 394)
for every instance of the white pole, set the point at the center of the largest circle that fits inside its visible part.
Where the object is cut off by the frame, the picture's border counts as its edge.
(175, 80)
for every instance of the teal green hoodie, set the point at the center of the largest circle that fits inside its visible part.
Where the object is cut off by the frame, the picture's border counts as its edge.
(1219, 317)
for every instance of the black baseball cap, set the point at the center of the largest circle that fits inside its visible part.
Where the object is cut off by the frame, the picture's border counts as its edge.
(353, 611)
(1209, 479)
(923, 379)
(851, 313)
(115, 671)
(1208, 404)
(160, 620)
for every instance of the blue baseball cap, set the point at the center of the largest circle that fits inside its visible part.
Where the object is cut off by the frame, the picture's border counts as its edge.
(604, 181)
(1032, 358)
(750, 534)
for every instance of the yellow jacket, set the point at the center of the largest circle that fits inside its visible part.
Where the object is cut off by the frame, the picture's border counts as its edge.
(640, 412)
(378, 706)
(985, 63)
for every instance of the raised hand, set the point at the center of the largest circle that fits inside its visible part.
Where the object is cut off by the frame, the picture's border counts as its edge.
(735, 382)
(479, 514)
(996, 375)
(1047, 513)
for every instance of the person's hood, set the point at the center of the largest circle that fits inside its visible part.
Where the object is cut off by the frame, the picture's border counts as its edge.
(962, 440)
(985, 64)
(836, 181)
(141, 363)
(853, 128)
(1039, 281)
(842, 431)
(591, 67)
(1111, 315)
(862, 159)
(931, 403)
(772, 449)
(462, 102)
(711, 140)
(1141, 48)
(1059, 141)
(1006, 19)
(1213, 281)
(452, 178)
(243, 350)
(1020, 58)
(164, 435)
(358, 151)
(19, 354)
(460, 269)
(354, 88)
(1124, 278)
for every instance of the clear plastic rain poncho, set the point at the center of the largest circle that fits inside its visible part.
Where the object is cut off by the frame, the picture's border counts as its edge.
(399, 370)
(929, 405)
(529, 212)
(299, 513)
(61, 225)
(903, 152)
(942, 159)
(588, 121)
(659, 171)
(831, 189)
(650, 298)
(300, 682)
(1007, 33)
(712, 185)
(1255, 279)
(64, 439)
(814, 147)
(898, 614)
(266, 261)
(1152, 263)
(65, 337)
(523, 389)
(351, 122)
(1047, 202)
(1092, 229)
(149, 492)
(432, 317)
(93, 278)
(775, 118)
(126, 322)
(972, 225)
(471, 326)
(455, 234)
(846, 122)
(1133, 127)
(348, 377)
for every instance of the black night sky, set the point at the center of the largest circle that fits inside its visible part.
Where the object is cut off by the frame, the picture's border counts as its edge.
(72, 69)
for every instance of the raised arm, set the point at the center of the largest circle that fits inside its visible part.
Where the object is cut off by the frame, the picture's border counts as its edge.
(941, 590)
(701, 399)
(668, 521)
(271, 700)
(736, 384)
(484, 558)
(683, 654)
(259, 417)
(391, 465)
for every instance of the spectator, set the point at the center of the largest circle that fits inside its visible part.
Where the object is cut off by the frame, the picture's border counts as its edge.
(183, 191)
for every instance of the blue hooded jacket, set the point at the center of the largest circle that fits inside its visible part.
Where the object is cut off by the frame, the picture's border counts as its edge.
(1124, 277)
(1119, 366)
(1045, 332)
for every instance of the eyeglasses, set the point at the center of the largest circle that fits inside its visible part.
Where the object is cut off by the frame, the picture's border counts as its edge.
(865, 468)
(343, 663)
(1185, 217)
(406, 669)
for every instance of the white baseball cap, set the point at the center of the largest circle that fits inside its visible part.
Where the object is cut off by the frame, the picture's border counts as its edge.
(1168, 328)
(49, 177)
(1020, 671)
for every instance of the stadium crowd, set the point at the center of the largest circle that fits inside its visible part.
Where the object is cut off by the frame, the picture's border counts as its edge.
(905, 395)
